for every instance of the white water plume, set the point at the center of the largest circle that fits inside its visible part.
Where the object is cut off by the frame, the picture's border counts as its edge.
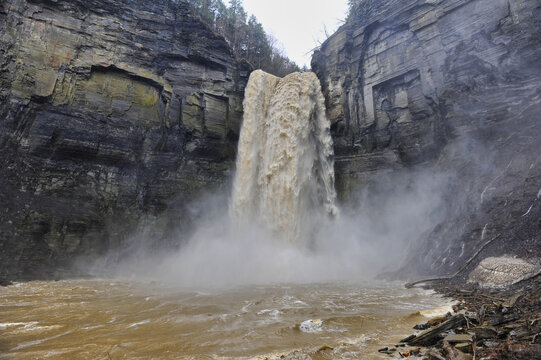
(284, 161)
(284, 187)
(372, 235)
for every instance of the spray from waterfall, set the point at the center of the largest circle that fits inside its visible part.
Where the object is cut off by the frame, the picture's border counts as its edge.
(285, 171)
(283, 195)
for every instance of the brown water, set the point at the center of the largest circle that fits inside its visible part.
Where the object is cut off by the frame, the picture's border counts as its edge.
(284, 170)
(105, 319)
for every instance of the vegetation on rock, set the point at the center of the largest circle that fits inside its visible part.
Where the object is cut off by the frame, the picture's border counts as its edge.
(245, 35)
(351, 7)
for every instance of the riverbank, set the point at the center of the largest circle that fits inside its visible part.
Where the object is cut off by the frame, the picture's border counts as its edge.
(485, 324)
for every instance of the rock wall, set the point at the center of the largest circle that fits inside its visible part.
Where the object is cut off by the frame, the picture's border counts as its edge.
(451, 86)
(111, 113)
(114, 115)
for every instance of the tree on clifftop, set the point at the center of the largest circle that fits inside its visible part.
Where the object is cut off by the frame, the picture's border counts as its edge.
(245, 35)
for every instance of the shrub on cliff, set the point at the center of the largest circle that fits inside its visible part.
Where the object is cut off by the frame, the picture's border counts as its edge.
(244, 34)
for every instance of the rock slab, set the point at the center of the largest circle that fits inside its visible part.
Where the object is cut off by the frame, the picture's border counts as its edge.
(500, 272)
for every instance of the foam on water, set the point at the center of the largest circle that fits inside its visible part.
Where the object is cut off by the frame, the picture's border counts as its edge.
(17, 324)
(437, 311)
(311, 325)
(235, 323)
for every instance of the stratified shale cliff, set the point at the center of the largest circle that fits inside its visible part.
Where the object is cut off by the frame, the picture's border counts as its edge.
(111, 113)
(452, 86)
(115, 115)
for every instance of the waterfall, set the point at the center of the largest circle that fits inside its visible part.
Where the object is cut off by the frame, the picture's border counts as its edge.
(285, 173)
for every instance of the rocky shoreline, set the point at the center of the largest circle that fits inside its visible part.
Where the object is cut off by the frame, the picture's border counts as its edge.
(488, 324)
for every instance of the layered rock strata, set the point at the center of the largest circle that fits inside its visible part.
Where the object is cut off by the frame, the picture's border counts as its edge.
(111, 113)
(452, 86)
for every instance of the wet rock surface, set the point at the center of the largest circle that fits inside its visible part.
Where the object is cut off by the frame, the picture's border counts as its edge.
(113, 116)
(485, 324)
(452, 88)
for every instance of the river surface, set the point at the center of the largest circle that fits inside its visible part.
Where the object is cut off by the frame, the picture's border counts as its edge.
(121, 319)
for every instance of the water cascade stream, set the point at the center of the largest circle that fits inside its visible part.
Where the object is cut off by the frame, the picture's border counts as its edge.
(288, 305)
(284, 162)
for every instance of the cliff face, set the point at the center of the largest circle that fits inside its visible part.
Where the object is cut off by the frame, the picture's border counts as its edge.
(111, 112)
(448, 85)
(114, 115)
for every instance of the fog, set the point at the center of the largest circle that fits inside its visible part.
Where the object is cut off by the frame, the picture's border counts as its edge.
(372, 235)
(281, 224)
(382, 229)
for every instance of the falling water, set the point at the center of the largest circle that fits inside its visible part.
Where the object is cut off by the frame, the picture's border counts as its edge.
(289, 306)
(285, 170)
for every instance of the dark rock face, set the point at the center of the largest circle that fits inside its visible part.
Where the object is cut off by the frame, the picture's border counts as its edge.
(114, 115)
(111, 113)
(451, 86)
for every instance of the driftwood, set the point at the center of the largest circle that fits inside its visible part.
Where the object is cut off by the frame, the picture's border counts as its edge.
(466, 264)
(432, 354)
(455, 354)
(432, 335)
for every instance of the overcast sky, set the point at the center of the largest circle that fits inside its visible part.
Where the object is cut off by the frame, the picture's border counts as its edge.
(298, 24)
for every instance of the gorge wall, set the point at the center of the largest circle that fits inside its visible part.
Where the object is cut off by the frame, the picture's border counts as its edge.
(111, 113)
(114, 115)
(448, 86)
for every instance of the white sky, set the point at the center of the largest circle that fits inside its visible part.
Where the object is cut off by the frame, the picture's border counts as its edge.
(298, 24)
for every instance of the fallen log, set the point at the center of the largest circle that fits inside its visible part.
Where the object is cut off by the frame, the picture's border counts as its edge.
(431, 336)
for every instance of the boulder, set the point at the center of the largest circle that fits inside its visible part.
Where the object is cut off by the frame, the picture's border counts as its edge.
(500, 272)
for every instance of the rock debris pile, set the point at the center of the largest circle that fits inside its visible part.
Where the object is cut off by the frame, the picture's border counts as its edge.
(485, 324)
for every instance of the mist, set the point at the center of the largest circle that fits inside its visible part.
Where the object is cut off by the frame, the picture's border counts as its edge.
(280, 224)
(372, 235)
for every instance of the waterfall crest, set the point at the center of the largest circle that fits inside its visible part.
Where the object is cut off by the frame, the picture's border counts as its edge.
(285, 170)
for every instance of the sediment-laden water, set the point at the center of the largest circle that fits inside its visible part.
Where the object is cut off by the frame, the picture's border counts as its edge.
(113, 319)
(284, 182)
(285, 171)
